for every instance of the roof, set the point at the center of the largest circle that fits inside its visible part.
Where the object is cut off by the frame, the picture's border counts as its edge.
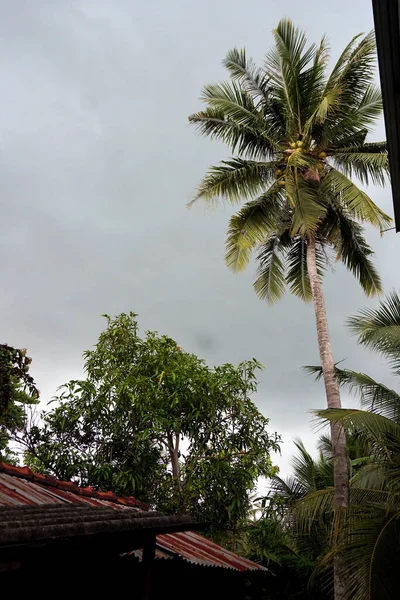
(50, 522)
(21, 488)
(387, 31)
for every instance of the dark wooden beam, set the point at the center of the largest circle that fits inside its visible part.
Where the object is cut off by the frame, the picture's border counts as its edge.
(387, 31)
(149, 555)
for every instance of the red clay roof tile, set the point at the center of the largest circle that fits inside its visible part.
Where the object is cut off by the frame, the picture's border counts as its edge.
(69, 486)
(108, 496)
(24, 472)
(88, 491)
(45, 479)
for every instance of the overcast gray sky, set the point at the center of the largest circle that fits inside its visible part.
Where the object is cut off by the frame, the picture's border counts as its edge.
(97, 163)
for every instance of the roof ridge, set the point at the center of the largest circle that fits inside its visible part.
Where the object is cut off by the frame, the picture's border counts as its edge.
(69, 486)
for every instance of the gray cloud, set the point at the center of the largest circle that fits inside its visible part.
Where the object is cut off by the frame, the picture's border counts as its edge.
(97, 163)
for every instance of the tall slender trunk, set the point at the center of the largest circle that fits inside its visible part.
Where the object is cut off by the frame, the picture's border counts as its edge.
(338, 437)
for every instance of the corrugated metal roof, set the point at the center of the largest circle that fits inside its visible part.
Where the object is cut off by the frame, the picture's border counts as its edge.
(197, 549)
(19, 486)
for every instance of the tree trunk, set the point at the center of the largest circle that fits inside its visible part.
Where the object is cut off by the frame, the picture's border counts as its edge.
(340, 464)
(174, 456)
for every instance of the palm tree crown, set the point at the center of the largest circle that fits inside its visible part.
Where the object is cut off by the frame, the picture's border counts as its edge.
(298, 135)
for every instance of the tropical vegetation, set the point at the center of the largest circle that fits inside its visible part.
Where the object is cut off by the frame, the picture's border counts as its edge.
(298, 134)
(366, 534)
(150, 419)
(18, 393)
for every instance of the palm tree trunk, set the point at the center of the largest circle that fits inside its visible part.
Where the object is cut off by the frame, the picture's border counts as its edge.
(340, 465)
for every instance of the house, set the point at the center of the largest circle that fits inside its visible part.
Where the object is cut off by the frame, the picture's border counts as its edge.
(68, 539)
(387, 31)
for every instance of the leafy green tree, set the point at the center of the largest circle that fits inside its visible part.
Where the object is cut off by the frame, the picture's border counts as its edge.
(156, 421)
(17, 392)
(298, 134)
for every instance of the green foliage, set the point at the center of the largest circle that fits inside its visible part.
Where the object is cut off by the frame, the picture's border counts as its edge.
(17, 392)
(298, 134)
(266, 537)
(14, 367)
(379, 329)
(153, 420)
(367, 533)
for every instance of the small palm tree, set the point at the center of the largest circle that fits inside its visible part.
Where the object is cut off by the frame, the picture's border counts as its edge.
(298, 135)
(309, 474)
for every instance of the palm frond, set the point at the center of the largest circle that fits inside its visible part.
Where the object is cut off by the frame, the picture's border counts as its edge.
(244, 69)
(370, 108)
(236, 180)
(330, 95)
(356, 533)
(375, 396)
(284, 63)
(324, 445)
(291, 489)
(311, 83)
(371, 476)
(312, 506)
(384, 577)
(270, 279)
(359, 161)
(234, 102)
(341, 64)
(357, 202)
(251, 225)
(379, 328)
(379, 432)
(348, 137)
(354, 252)
(349, 87)
(297, 273)
(341, 374)
(246, 140)
(356, 71)
(308, 209)
(360, 117)
(312, 474)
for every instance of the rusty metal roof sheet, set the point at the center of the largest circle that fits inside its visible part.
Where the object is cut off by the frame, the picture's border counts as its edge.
(19, 487)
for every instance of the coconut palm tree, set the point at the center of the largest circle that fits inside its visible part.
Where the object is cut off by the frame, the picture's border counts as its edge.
(298, 136)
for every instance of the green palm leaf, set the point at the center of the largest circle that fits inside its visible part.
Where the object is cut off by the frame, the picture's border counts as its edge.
(379, 329)
(356, 71)
(243, 69)
(249, 141)
(236, 179)
(250, 226)
(283, 66)
(297, 275)
(364, 164)
(270, 280)
(372, 428)
(357, 202)
(353, 251)
(375, 396)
